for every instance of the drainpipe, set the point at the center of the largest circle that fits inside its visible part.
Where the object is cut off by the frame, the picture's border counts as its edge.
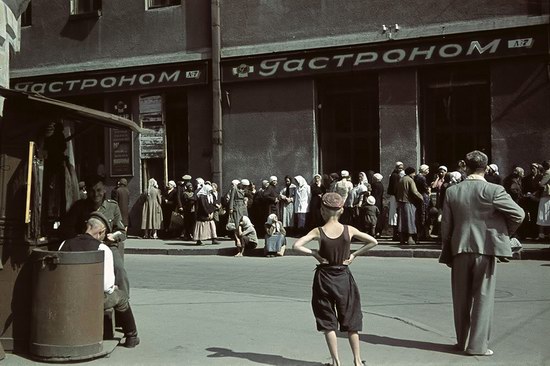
(217, 123)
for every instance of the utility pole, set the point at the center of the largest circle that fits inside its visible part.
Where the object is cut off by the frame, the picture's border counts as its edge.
(217, 122)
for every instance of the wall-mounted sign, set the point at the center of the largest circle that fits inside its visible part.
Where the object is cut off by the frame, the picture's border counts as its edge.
(195, 73)
(121, 145)
(450, 48)
(151, 117)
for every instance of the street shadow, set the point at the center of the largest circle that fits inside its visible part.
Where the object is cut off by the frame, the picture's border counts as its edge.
(408, 343)
(260, 358)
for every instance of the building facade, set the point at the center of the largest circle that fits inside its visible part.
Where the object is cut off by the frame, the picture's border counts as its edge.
(304, 89)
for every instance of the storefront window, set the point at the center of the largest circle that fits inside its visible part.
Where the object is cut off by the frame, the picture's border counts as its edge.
(455, 113)
(79, 7)
(349, 124)
(151, 4)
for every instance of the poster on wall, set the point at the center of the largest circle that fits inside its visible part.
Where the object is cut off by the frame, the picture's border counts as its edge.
(121, 146)
(151, 118)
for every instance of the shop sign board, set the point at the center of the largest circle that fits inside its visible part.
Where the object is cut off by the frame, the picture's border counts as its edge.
(184, 74)
(452, 48)
(121, 145)
(152, 141)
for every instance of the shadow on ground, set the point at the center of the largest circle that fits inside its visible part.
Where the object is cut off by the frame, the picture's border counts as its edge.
(260, 358)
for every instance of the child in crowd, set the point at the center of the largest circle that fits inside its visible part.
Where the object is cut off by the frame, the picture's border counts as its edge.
(246, 236)
(371, 213)
(275, 240)
(335, 299)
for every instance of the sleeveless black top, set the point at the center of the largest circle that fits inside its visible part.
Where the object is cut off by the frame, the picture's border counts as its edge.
(336, 251)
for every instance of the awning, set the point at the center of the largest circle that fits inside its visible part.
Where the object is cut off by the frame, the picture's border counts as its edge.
(73, 111)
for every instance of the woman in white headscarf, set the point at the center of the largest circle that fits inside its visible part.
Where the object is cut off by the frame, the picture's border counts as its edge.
(205, 227)
(275, 240)
(151, 219)
(246, 236)
(301, 205)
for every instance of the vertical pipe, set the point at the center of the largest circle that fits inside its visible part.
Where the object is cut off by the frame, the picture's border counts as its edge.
(217, 127)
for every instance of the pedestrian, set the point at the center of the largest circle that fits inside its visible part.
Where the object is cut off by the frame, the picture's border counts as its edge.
(395, 177)
(121, 195)
(151, 219)
(407, 197)
(359, 195)
(370, 215)
(301, 205)
(543, 216)
(186, 206)
(378, 193)
(531, 196)
(275, 237)
(205, 227)
(169, 208)
(97, 227)
(237, 207)
(246, 237)
(478, 220)
(317, 190)
(271, 196)
(286, 203)
(422, 219)
(344, 188)
(492, 174)
(335, 300)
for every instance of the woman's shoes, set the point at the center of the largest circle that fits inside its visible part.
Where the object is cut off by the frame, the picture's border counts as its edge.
(199, 242)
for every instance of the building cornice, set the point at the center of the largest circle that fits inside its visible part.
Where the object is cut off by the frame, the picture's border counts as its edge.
(404, 33)
(104, 64)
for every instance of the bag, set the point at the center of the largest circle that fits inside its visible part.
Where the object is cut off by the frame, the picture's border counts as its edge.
(515, 245)
(176, 222)
(230, 226)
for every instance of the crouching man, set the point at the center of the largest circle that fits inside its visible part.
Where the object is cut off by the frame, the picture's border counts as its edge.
(97, 227)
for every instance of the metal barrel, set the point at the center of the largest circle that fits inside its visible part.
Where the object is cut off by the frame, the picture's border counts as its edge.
(67, 305)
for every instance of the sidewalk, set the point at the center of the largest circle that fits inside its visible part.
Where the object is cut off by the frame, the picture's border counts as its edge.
(386, 248)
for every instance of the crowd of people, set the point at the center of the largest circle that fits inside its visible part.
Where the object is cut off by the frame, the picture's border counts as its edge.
(410, 209)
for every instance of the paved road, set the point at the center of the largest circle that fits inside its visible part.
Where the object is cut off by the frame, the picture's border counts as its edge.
(212, 310)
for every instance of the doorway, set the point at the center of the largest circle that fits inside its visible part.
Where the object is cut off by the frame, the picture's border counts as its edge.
(456, 113)
(349, 124)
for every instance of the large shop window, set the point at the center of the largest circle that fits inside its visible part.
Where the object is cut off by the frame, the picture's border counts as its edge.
(455, 109)
(151, 4)
(349, 124)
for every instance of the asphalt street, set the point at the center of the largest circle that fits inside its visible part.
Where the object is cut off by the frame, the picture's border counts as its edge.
(215, 310)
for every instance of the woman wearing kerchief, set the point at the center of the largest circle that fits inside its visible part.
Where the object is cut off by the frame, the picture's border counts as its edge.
(205, 227)
(301, 205)
(275, 240)
(246, 237)
(287, 198)
(169, 205)
(151, 219)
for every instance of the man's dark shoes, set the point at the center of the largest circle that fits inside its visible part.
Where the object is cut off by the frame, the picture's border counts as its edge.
(131, 342)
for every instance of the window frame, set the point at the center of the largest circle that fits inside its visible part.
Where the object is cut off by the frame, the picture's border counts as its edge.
(149, 4)
(96, 7)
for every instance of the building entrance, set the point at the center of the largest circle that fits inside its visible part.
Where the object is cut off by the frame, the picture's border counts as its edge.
(349, 124)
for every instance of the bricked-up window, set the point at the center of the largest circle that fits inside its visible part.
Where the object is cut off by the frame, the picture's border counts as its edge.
(151, 4)
(26, 16)
(79, 7)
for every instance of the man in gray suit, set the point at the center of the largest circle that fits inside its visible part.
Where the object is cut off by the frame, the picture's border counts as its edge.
(478, 219)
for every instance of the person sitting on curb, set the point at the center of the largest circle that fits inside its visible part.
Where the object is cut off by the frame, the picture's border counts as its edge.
(96, 229)
(246, 236)
(275, 237)
(335, 299)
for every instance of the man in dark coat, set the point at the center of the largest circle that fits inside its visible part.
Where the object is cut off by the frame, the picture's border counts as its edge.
(121, 195)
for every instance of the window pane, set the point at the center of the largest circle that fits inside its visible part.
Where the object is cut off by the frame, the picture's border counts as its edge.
(163, 3)
(85, 6)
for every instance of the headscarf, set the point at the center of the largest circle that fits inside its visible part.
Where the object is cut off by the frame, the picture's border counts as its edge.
(272, 179)
(200, 183)
(152, 184)
(171, 184)
(494, 168)
(206, 190)
(235, 182)
(456, 177)
(301, 181)
(247, 226)
(378, 177)
(363, 178)
(272, 221)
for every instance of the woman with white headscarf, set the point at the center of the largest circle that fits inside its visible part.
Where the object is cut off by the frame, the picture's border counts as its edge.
(151, 219)
(301, 205)
(275, 240)
(246, 236)
(205, 227)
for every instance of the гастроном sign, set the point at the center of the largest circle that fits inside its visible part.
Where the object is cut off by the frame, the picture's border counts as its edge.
(451, 48)
(109, 81)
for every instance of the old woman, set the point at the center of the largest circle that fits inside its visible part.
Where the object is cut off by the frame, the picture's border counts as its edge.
(151, 219)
